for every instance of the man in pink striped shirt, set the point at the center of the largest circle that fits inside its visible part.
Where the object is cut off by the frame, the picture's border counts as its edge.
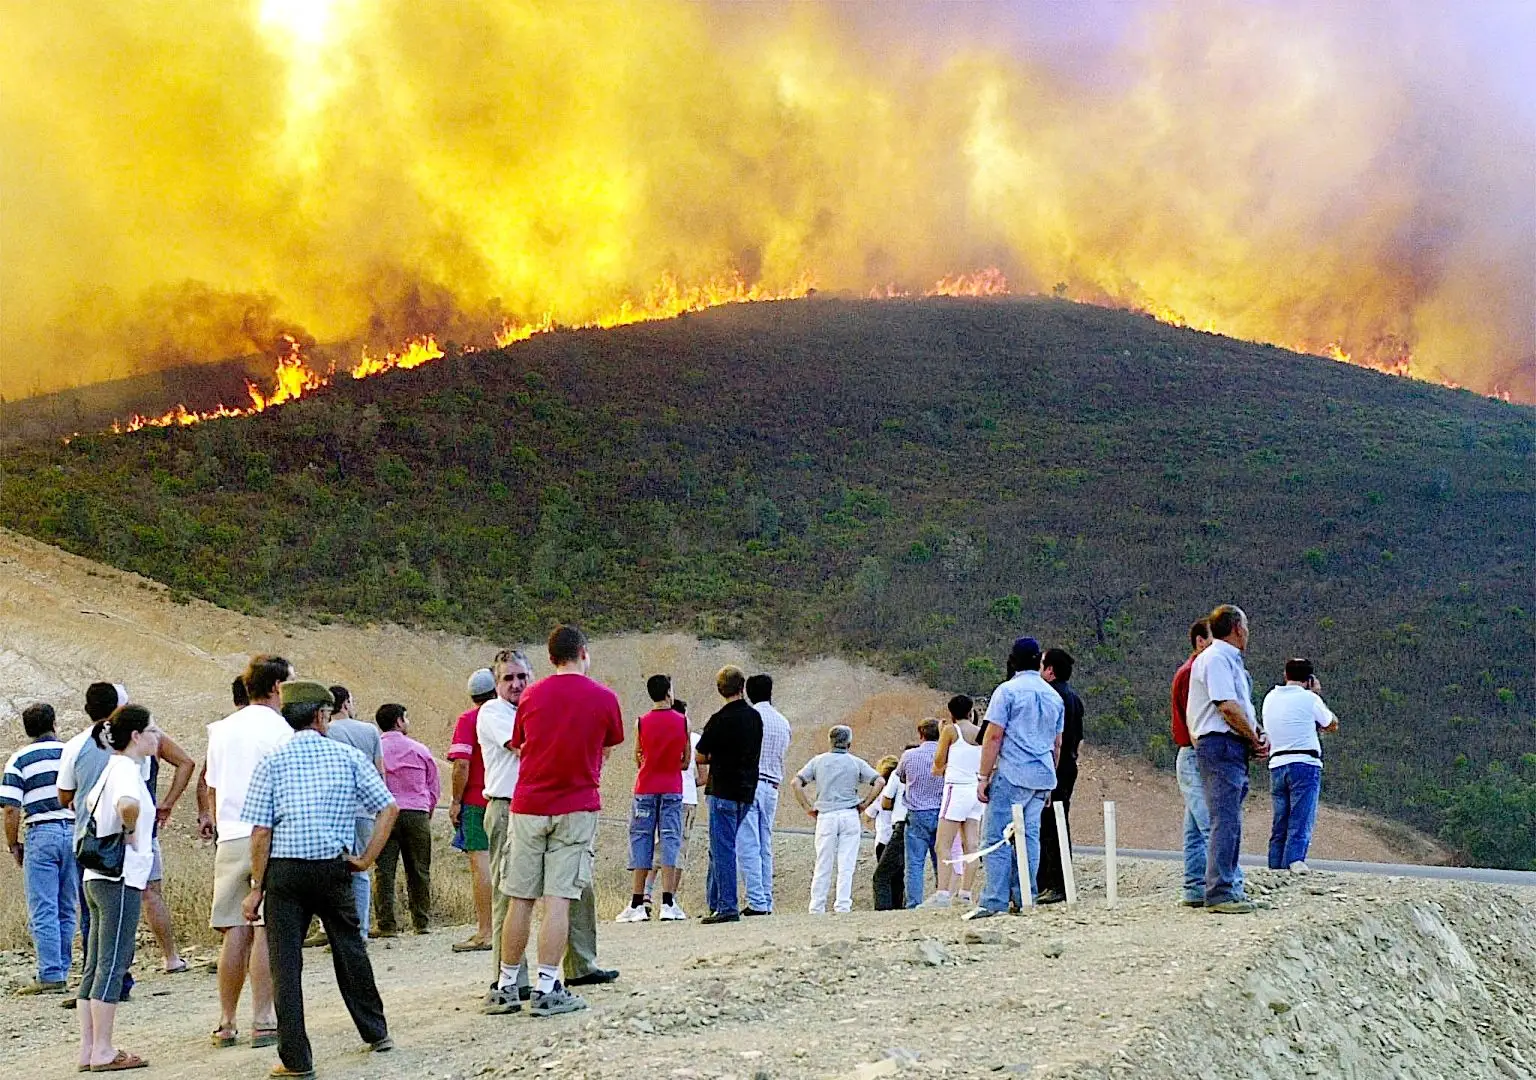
(410, 773)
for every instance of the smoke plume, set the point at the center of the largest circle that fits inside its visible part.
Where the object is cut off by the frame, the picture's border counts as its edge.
(189, 181)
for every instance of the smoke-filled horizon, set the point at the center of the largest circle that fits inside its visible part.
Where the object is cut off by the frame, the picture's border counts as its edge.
(185, 182)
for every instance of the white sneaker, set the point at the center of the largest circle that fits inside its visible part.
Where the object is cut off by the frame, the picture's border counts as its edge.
(937, 900)
(673, 913)
(632, 914)
(1299, 867)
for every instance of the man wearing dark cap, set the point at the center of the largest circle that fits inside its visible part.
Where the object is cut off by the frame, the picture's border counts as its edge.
(1019, 754)
(302, 805)
(1294, 714)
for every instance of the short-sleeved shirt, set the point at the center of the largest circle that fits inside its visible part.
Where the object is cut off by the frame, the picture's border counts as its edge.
(1031, 715)
(362, 736)
(662, 735)
(1293, 715)
(236, 745)
(1218, 674)
(733, 742)
(120, 780)
(564, 723)
(840, 778)
(466, 747)
(1178, 704)
(921, 790)
(308, 792)
(31, 781)
(494, 724)
(896, 791)
(1071, 739)
(776, 738)
(80, 766)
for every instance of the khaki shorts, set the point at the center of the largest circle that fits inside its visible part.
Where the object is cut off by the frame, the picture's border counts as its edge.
(231, 883)
(549, 856)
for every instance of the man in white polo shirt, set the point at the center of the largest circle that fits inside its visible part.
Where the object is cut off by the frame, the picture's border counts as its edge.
(236, 745)
(493, 730)
(1226, 734)
(1293, 716)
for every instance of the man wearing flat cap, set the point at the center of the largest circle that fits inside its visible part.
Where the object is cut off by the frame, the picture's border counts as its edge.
(1019, 754)
(302, 804)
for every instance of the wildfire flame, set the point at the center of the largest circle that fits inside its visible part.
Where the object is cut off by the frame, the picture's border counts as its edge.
(293, 377)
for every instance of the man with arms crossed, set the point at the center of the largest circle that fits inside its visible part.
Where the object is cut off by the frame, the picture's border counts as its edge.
(754, 841)
(1222, 722)
(567, 724)
(236, 745)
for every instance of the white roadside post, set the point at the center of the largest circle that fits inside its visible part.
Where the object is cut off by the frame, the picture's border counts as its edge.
(1063, 842)
(1111, 879)
(1021, 854)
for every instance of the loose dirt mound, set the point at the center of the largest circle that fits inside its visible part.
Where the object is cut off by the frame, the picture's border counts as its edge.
(1339, 977)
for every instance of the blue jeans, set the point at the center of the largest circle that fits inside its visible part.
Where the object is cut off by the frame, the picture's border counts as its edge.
(921, 840)
(1293, 789)
(1224, 776)
(1197, 823)
(48, 870)
(1002, 865)
(652, 817)
(754, 847)
(362, 884)
(725, 816)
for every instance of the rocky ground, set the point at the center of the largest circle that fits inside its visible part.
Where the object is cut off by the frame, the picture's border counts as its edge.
(1337, 977)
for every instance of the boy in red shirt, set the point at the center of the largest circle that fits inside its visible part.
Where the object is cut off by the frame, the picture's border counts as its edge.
(566, 725)
(467, 810)
(661, 754)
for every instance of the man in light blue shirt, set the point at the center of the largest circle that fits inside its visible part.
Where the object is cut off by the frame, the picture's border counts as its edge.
(1019, 752)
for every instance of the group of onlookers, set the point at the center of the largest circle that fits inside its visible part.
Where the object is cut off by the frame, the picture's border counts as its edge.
(1217, 734)
(303, 800)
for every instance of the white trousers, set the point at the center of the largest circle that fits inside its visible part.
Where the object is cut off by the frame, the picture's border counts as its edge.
(837, 838)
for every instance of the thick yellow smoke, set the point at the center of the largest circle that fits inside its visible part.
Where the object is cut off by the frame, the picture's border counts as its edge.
(185, 180)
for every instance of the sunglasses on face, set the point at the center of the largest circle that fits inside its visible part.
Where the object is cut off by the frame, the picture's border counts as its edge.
(516, 676)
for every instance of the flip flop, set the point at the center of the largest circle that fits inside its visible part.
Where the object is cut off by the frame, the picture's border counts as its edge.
(124, 1060)
(179, 968)
(224, 1038)
(261, 1037)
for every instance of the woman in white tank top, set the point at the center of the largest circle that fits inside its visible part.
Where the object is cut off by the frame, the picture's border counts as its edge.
(958, 760)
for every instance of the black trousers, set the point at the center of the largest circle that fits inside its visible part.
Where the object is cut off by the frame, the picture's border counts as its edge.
(410, 842)
(891, 872)
(298, 890)
(1049, 875)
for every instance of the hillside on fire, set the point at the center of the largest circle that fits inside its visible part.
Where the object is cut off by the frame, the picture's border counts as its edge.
(909, 482)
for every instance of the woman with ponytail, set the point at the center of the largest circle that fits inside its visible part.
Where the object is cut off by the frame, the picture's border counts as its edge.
(119, 803)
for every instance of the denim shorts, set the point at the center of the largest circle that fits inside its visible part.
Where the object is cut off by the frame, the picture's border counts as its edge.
(652, 814)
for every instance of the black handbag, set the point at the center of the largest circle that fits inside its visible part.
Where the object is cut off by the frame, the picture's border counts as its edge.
(103, 854)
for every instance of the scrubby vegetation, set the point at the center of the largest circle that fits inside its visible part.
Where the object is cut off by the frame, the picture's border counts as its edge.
(915, 483)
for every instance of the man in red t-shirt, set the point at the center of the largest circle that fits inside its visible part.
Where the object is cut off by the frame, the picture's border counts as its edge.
(467, 810)
(1197, 817)
(566, 726)
(662, 751)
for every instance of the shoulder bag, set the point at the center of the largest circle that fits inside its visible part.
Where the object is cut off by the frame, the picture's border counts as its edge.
(102, 854)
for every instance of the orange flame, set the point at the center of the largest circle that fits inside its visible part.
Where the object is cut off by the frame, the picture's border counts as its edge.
(988, 282)
(293, 377)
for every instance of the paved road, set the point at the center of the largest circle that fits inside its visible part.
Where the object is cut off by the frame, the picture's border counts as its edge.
(1486, 875)
(1441, 873)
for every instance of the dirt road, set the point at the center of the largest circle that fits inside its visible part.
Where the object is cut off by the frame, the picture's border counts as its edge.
(1340, 977)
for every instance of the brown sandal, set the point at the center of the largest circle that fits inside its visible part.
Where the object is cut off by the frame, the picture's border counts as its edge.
(123, 1061)
(263, 1037)
(225, 1037)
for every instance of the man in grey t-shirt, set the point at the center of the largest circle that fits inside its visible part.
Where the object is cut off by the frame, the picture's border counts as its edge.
(345, 727)
(845, 785)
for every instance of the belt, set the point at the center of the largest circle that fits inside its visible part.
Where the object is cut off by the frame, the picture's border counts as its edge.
(1304, 751)
(770, 781)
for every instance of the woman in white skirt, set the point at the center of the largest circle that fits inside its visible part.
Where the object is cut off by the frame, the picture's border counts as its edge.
(957, 761)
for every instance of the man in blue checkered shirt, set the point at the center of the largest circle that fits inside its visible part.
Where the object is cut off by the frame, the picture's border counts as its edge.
(304, 801)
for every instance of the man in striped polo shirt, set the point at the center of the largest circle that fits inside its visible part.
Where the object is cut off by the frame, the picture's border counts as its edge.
(29, 792)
